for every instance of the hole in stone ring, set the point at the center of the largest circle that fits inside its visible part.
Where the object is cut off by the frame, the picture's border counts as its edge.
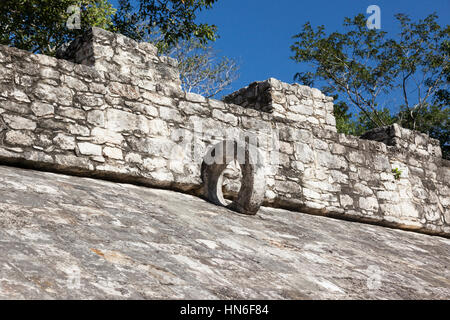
(214, 171)
(231, 181)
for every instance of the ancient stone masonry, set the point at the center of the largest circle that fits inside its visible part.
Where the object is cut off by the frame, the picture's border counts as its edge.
(110, 107)
(294, 102)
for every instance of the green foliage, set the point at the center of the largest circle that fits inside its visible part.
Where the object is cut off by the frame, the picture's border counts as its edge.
(366, 66)
(344, 124)
(364, 122)
(175, 20)
(356, 63)
(397, 173)
(434, 120)
(40, 25)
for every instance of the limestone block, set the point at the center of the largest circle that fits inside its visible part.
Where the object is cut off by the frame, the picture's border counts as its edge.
(346, 201)
(89, 149)
(326, 159)
(331, 120)
(17, 107)
(72, 161)
(302, 109)
(73, 113)
(356, 157)
(193, 108)
(225, 117)
(286, 147)
(369, 203)
(158, 99)
(163, 176)
(113, 153)
(42, 109)
(320, 144)
(118, 120)
(75, 83)
(312, 120)
(18, 95)
(101, 136)
(87, 101)
(170, 114)
(216, 104)
(193, 97)
(158, 127)
(19, 138)
(176, 166)
(339, 176)
(48, 93)
(19, 123)
(95, 87)
(362, 189)
(303, 153)
(338, 149)
(123, 90)
(133, 158)
(324, 186)
(65, 142)
(50, 73)
(78, 130)
(388, 195)
(96, 117)
(155, 146)
(311, 194)
(295, 117)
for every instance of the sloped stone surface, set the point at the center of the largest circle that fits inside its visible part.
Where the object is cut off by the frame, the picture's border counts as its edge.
(131, 242)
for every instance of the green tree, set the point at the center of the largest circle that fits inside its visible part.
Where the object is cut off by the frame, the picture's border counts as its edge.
(366, 67)
(40, 25)
(174, 20)
(432, 119)
(343, 118)
(345, 123)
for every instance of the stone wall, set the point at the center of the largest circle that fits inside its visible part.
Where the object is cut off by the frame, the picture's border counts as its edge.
(121, 115)
(287, 101)
(120, 56)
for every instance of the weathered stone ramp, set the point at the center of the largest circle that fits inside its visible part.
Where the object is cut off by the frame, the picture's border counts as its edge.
(130, 242)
